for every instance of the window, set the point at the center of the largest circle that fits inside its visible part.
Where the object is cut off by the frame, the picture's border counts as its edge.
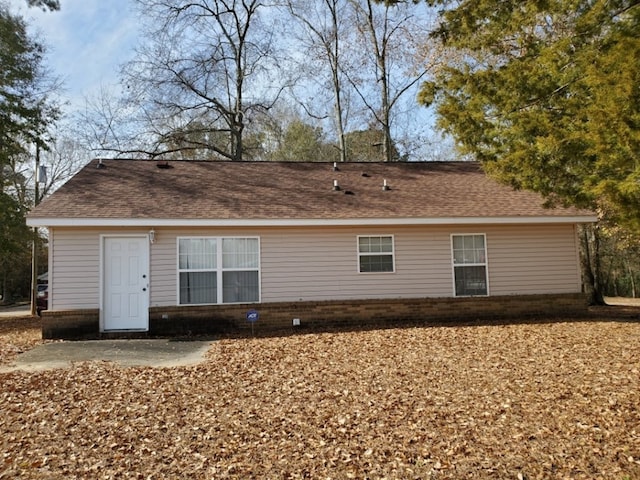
(240, 263)
(197, 264)
(375, 254)
(218, 270)
(469, 264)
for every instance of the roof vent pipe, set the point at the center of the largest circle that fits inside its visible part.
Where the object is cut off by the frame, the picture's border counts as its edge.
(100, 164)
(384, 185)
(335, 185)
(335, 167)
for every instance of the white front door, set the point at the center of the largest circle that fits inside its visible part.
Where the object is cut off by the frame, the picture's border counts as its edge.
(125, 300)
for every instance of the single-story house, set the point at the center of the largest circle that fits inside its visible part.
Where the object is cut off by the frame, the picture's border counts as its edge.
(177, 247)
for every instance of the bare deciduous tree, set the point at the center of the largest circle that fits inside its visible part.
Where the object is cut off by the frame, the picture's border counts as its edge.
(209, 74)
(205, 64)
(108, 125)
(391, 37)
(324, 24)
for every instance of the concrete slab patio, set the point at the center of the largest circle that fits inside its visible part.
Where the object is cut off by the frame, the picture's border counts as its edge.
(126, 353)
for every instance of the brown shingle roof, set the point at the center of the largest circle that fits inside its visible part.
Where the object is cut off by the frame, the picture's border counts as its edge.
(139, 189)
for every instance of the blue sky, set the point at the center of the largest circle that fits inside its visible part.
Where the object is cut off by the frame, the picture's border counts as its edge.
(87, 41)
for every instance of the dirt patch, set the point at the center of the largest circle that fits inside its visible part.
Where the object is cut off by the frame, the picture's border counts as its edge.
(547, 400)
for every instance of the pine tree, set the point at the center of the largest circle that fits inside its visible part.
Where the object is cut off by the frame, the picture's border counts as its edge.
(547, 95)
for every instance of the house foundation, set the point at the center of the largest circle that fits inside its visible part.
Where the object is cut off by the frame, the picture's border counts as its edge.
(294, 316)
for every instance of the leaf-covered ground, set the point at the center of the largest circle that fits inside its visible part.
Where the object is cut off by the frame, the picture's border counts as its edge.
(522, 401)
(17, 335)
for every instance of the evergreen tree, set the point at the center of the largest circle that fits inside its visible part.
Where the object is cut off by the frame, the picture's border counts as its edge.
(547, 95)
(25, 114)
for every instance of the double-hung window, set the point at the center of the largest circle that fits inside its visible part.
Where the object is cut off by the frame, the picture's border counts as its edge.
(375, 254)
(218, 270)
(469, 264)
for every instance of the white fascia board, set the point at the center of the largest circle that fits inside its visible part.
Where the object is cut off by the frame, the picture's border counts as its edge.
(311, 222)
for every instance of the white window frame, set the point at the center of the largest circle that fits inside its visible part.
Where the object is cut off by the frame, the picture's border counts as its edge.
(219, 270)
(375, 254)
(484, 264)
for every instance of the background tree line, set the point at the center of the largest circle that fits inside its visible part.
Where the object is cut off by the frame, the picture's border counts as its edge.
(254, 80)
(544, 94)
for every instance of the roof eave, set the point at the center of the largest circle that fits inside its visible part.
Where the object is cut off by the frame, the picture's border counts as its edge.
(310, 222)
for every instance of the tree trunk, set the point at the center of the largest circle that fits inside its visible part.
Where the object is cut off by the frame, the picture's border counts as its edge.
(3, 289)
(632, 280)
(342, 145)
(590, 264)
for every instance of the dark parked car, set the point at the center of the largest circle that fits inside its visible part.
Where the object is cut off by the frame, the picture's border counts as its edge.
(42, 298)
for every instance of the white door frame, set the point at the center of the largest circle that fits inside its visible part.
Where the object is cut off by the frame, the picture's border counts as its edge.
(146, 254)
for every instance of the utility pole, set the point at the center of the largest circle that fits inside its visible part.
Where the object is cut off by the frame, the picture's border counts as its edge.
(35, 243)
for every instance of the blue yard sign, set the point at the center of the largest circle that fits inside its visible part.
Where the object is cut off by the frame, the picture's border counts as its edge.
(252, 317)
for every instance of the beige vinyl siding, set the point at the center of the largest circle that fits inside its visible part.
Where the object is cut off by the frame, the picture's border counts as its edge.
(323, 266)
(163, 270)
(541, 259)
(322, 263)
(74, 275)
